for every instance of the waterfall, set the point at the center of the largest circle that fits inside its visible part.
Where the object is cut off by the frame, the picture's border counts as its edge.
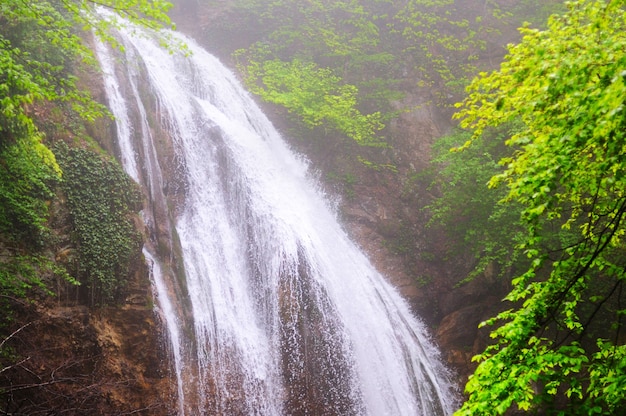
(269, 307)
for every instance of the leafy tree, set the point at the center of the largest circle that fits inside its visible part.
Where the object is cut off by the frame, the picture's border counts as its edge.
(560, 349)
(312, 63)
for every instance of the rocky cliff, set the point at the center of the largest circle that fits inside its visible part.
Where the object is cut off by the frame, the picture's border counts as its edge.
(63, 353)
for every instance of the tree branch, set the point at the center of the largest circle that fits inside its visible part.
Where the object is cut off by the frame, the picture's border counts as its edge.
(13, 334)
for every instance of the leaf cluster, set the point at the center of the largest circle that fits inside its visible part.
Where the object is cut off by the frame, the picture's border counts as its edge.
(558, 348)
(316, 96)
(28, 173)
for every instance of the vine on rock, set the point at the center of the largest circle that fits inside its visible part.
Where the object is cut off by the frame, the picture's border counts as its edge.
(101, 200)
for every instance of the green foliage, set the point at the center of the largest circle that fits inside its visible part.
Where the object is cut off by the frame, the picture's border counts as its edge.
(532, 12)
(477, 224)
(441, 42)
(560, 349)
(338, 34)
(38, 51)
(28, 171)
(446, 41)
(40, 48)
(102, 199)
(41, 51)
(334, 50)
(22, 273)
(315, 95)
(378, 50)
(28, 175)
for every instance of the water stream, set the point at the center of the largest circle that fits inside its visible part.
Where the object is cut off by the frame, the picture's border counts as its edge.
(269, 308)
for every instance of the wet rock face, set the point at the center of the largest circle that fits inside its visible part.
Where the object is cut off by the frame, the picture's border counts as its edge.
(59, 356)
(62, 358)
(76, 361)
(318, 378)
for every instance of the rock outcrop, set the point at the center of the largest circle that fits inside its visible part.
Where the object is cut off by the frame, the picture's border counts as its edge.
(71, 359)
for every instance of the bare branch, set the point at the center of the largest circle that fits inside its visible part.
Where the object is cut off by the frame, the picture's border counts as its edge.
(14, 333)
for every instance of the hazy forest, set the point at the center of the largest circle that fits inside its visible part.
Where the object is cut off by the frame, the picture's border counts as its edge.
(527, 183)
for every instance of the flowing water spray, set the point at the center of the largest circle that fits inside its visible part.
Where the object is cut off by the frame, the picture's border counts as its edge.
(270, 309)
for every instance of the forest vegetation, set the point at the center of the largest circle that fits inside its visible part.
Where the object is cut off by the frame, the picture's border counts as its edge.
(42, 56)
(557, 104)
(534, 186)
(66, 206)
(342, 64)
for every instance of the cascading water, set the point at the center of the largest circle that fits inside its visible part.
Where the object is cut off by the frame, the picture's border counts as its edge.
(270, 309)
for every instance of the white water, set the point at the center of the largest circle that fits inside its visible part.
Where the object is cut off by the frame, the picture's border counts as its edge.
(278, 311)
